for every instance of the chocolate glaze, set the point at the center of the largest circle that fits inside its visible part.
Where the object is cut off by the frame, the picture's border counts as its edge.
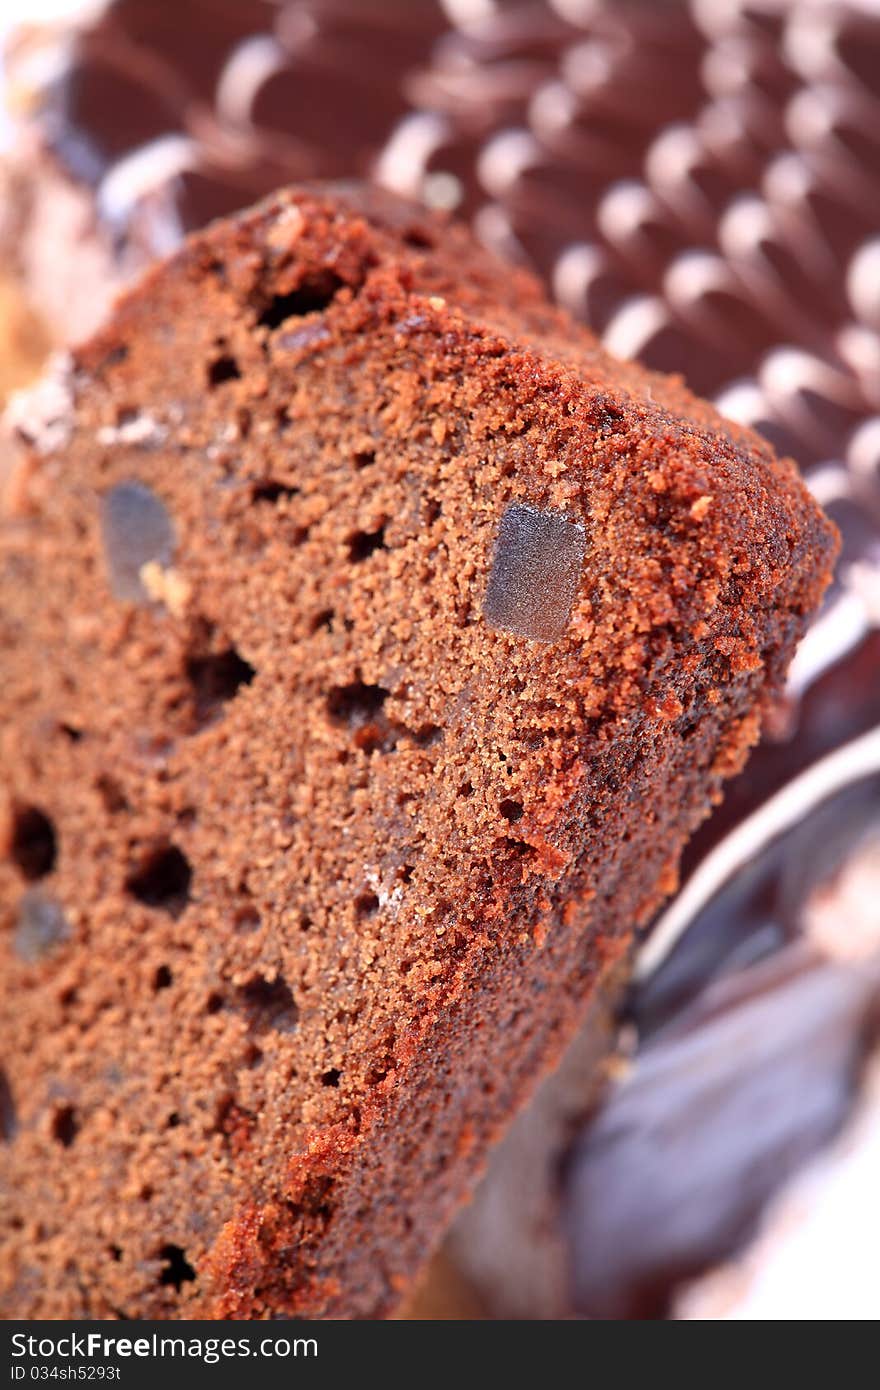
(701, 183)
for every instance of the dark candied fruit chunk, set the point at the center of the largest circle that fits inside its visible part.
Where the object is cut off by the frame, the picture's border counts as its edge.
(136, 529)
(40, 926)
(536, 569)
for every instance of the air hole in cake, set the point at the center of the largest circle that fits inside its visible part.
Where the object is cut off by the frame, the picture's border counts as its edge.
(222, 1110)
(135, 530)
(536, 569)
(331, 1077)
(8, 1115)
(323, 620)
(427, 735)
(511, 810)
(606, 416)
(367, 905)
(371, 738)
(433, 511)
(65, 1126)
(214, 1003)
(357, 703)
(40, 926)
(70, 732)
(178, 1271)
(163, 978)
(269, 1003)
(406, 873)
(314, 294)
(216, 678)
(363, 544)
(173, 1120)
(268, 490)
(247, 918)
(115, 356)
(111, 794)
(222, 369)
(162, 879)
(418, 239)
(234, 1123)
(33, 847)
(363, 458)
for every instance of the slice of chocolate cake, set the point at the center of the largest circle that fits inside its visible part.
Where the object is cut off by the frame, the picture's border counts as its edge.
(372, 643)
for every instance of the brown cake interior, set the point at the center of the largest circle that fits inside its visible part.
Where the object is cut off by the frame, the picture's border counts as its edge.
(309, 869)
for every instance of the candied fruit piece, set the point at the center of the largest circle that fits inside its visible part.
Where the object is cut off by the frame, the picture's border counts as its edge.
(136, 529)
(40, 926)
(536, 569)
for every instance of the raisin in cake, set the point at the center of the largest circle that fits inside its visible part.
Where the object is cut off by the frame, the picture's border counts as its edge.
(372, 643)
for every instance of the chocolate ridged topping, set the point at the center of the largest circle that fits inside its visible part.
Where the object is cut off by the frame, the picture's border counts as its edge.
(698, 184)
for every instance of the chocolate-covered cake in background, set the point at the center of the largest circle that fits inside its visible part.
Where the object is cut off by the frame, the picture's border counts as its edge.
(699, 183)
